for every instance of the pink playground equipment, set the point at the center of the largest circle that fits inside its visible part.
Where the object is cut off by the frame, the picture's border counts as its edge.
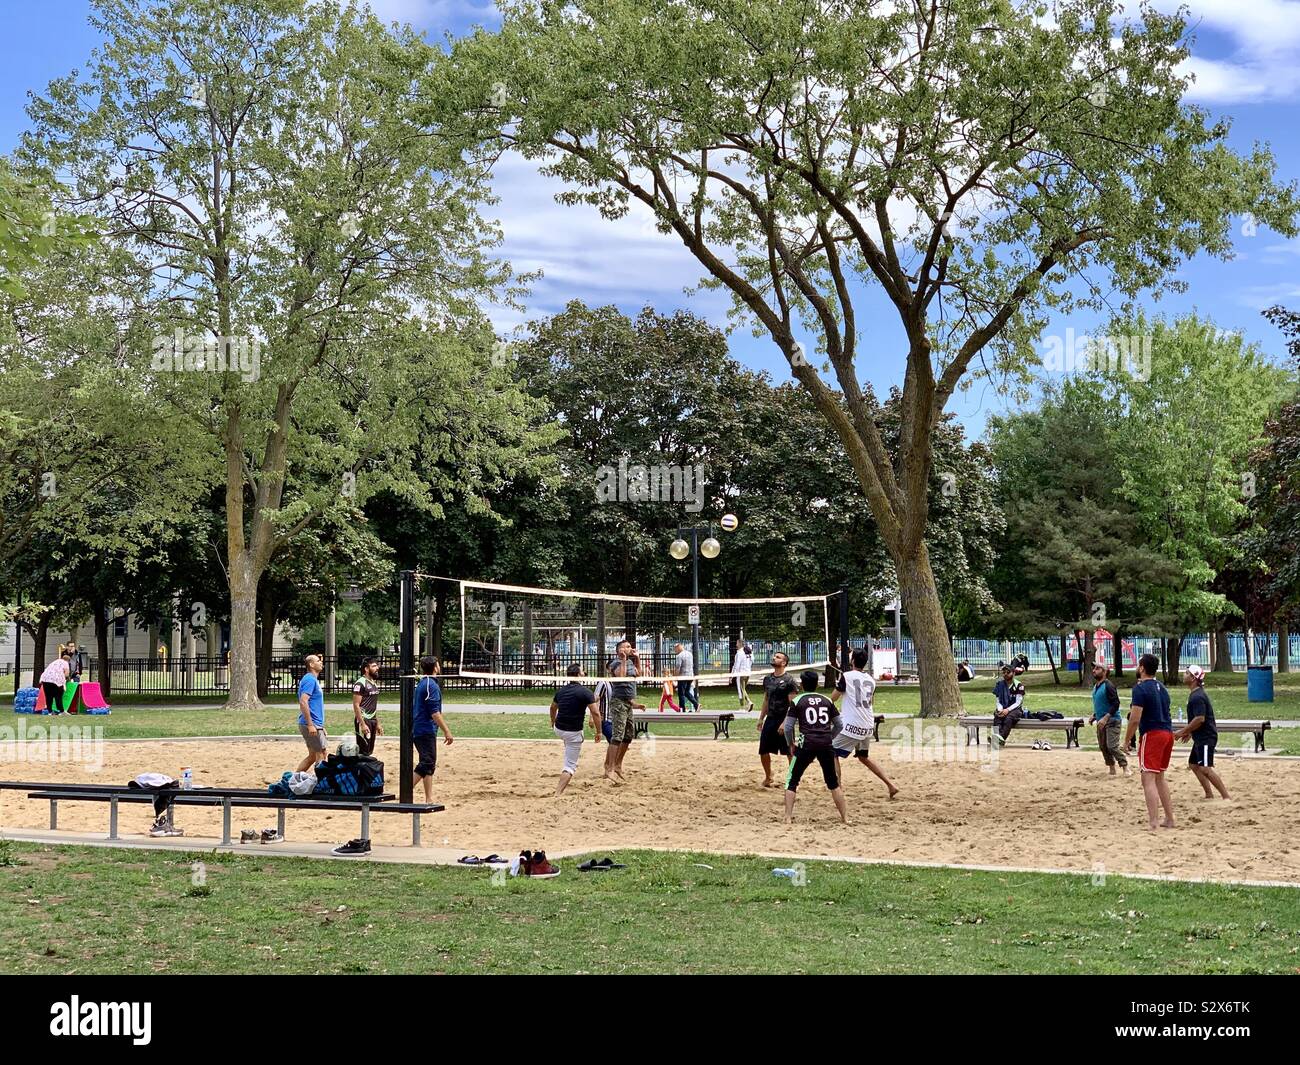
(1103, 649)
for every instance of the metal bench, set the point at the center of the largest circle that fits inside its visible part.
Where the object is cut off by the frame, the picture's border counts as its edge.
(1070, 725)
(721, 722)
(1257, 728)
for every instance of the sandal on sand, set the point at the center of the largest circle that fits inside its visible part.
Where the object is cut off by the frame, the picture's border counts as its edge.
(470, 859)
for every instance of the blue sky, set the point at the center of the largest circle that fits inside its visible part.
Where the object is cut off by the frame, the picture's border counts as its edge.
(1246, 59)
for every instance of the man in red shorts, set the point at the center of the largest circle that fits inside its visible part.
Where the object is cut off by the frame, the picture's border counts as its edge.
(1149, 715)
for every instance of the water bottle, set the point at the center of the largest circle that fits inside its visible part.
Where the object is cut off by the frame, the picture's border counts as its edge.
(187, 779)
(788, 873)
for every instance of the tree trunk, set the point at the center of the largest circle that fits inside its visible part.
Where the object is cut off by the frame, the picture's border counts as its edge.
(266, 612)
(243, 635)
(1173, 659)
(934, 662)
(439, 620)
(39, 636)
(1051, 661)
(1117, 654)
(1284, 648)
(105, 677)
(1222, 652)
(1087, 655)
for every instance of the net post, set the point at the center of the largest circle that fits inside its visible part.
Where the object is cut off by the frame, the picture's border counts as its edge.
(844, 628)
(599, 670)
(406, 651)
(528, 642)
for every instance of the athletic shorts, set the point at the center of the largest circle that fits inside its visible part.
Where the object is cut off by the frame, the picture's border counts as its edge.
(572, 748)
(1202, 754)
(860, 748)
(771, 737)
(427, 748)
(1154, 749)
(620, 713)
(317, 741)
(803, 758)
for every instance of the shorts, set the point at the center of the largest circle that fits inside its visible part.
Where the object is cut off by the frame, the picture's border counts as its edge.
(860, 748)
(427, 748)
(620, 713)
(771, 738)
(803, 758)
(1154, 749)
(316, 742)
(366, 729)
(1202, 754)
(572, 748)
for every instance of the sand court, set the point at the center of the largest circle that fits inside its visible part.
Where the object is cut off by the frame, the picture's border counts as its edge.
(1051, 810)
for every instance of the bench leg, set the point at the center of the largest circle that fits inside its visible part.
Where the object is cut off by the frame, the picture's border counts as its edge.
(415, 830)
(365, 821)
(1259, 741)
(225, 821)
(112, 817)
(54, 814)
(1071, 738)
(279, 822)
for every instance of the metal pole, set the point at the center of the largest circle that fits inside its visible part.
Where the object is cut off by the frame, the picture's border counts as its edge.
(844, 628)
(898, 637)
(406, 652)
(695, 594)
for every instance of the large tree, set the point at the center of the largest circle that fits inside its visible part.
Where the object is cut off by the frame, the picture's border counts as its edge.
(972, 162)
(317, 260)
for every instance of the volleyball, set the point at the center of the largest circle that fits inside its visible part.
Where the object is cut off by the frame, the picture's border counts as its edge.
(729, 522)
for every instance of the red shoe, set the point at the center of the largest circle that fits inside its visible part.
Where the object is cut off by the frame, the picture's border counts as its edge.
(539, 868)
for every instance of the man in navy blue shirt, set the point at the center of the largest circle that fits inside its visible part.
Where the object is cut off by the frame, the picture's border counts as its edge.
(1010, 695)
(1149, 715)
(427, 721)
(1202, 731)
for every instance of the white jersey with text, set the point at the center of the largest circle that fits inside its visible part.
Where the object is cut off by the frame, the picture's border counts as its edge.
(855, 708)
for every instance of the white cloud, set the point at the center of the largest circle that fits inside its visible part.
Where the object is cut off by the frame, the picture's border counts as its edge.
(1262, 62)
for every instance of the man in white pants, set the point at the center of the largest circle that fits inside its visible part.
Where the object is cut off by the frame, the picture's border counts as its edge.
(571, 703)
(856, 688)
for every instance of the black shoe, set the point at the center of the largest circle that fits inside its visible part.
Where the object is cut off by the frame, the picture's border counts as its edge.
(354, 846)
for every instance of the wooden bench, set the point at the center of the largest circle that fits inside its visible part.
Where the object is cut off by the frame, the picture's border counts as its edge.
(1070, 725)
(721, 722)
(1257, 728)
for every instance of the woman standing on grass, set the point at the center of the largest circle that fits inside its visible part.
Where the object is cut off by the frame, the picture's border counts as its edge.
(55, 679)
(667, 696)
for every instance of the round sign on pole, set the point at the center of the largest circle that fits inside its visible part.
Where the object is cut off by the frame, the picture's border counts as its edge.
(693, 614)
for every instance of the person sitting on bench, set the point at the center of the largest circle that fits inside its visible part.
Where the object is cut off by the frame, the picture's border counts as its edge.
(1010, 696)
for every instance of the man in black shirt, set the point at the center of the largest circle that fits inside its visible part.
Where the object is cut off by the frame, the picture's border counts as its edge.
(818, 721)
(1203, 733)
(778, 689)
(365, 706)
(571, 704)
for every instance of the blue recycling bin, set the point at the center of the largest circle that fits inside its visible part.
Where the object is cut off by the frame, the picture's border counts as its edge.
(1259, 684)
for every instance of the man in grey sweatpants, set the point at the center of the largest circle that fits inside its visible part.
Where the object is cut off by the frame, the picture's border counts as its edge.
(1106, 716)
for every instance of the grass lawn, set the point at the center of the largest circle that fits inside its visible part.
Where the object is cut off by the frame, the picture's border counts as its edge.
(70, 910)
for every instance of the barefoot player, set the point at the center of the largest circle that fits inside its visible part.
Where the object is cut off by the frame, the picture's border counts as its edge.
(856, 688)
(1149, 716)
(778, 689)
(1201, 730)
(819, 723)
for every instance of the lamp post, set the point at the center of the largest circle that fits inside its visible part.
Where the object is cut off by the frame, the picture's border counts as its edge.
(679, 549)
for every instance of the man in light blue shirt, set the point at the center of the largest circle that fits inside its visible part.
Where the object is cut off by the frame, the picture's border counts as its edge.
(311, 713)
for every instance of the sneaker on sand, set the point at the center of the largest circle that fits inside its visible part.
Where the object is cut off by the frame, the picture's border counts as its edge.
(354, 847)
(539, 868)
(270, 835)
(1037, 745)
(1046, 746)
(249, 835)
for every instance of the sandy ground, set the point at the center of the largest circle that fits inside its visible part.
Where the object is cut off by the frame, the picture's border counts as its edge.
(1056, 810)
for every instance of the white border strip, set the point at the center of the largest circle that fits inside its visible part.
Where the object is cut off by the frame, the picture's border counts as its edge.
(566, 594)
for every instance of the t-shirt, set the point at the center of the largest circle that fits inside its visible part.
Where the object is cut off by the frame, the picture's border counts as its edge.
(780, 690)
(1198, 705)
(369, 693)
(310, 687)
(572, 701)
(856, 710)
(1153, 698)
(816, 716)
(1105, 700)
(623, 689)
(685, 664)
(428, 701)
(55, 673)
(1010, 694)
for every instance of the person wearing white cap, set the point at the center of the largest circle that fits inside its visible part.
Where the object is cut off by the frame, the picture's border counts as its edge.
(1201, 730)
